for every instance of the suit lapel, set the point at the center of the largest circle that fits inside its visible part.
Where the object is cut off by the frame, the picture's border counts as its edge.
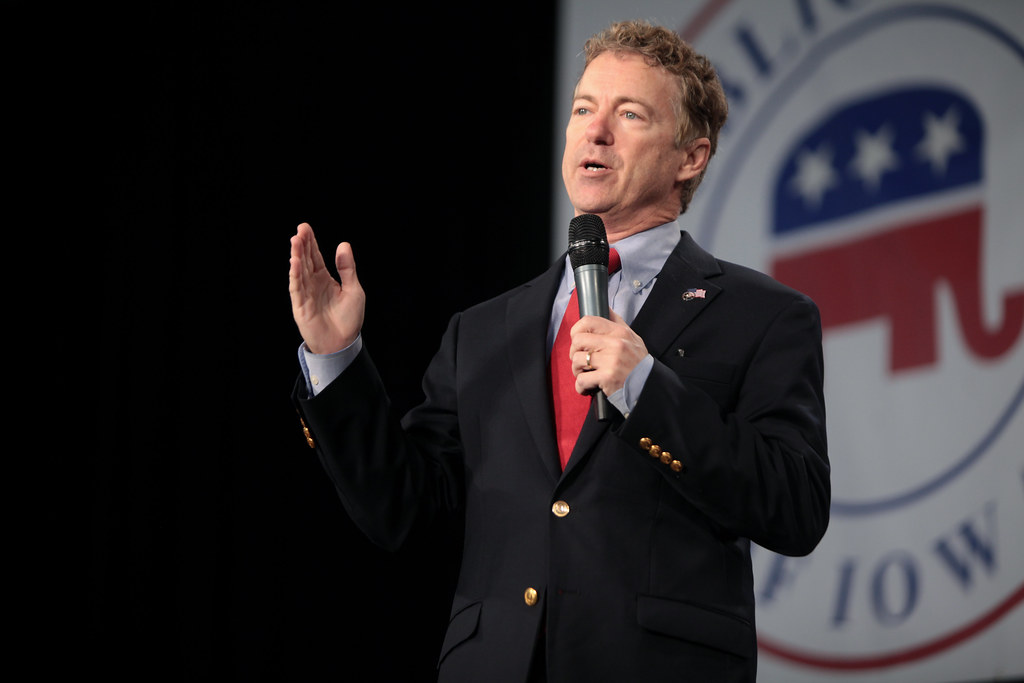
(528, 317)
(681, 293)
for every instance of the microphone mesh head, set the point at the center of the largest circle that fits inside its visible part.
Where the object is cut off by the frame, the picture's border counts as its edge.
(588, 241)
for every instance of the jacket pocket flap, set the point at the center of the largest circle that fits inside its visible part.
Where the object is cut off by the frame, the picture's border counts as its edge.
(461, 627)
(690, 622)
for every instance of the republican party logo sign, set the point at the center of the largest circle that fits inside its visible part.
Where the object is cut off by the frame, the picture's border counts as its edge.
(875, 160)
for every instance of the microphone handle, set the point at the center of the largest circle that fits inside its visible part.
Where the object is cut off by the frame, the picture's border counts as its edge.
(592, 294)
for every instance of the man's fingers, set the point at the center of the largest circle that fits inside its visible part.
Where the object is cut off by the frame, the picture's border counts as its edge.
(614, 351)
(305, 254)
(594, 324)
(345, 262)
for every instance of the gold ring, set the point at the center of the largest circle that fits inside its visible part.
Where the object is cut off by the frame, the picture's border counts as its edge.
(589, 367)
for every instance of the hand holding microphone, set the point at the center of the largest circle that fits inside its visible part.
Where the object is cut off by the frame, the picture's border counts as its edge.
(604, 351)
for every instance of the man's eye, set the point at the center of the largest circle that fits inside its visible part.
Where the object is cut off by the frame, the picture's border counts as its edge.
(580, 111)
(630, 115)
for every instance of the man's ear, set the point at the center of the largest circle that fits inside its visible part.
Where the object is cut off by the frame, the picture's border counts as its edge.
(697, 152)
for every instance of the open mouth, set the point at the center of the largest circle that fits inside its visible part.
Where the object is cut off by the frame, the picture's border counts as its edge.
(594, 166)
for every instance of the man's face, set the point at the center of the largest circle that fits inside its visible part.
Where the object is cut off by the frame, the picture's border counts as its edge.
(620, 159)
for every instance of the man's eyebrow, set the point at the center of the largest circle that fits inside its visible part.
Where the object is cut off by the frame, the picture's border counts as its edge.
(617, 102)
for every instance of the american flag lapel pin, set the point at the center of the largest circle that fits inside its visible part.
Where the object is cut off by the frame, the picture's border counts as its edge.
(694, 293)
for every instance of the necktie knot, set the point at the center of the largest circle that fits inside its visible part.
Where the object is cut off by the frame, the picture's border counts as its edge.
(614, 262)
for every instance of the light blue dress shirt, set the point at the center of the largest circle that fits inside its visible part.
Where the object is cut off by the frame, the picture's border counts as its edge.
(643, 255)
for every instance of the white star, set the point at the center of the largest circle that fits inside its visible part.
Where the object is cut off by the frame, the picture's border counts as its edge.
(814, 175)
(874, 156)
(941, 139)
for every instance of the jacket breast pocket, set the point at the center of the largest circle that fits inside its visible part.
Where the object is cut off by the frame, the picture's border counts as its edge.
(712, 377)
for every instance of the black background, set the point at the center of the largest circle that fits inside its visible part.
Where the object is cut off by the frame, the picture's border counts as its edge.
(218, 549)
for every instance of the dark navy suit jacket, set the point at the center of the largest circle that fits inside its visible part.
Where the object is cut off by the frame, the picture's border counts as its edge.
(634, 563)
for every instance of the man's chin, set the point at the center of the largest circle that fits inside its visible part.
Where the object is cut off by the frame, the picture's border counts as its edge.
(593, 207)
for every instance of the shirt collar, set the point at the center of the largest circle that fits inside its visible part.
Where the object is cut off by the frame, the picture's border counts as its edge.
(643, 255)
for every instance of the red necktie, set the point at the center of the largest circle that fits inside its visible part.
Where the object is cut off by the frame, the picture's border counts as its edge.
(570, 407)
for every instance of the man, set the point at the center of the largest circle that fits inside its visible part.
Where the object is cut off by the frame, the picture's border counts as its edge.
(631, 561)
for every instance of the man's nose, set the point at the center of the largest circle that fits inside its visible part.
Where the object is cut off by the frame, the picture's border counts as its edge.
(599, 130)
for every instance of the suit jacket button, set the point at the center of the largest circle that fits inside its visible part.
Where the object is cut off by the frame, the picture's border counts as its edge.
(530, 596)
(676, 466)
(655, 451)
(560, 508)
(666, 457)
(645, 443)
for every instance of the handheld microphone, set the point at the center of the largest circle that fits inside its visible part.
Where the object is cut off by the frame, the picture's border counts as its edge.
(588, 255)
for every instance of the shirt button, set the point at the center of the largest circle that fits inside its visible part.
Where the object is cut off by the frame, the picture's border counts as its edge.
(315, 380)
(560, 508)
(636, 284)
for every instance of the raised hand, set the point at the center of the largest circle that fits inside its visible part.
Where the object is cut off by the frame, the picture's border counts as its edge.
(329, 314)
